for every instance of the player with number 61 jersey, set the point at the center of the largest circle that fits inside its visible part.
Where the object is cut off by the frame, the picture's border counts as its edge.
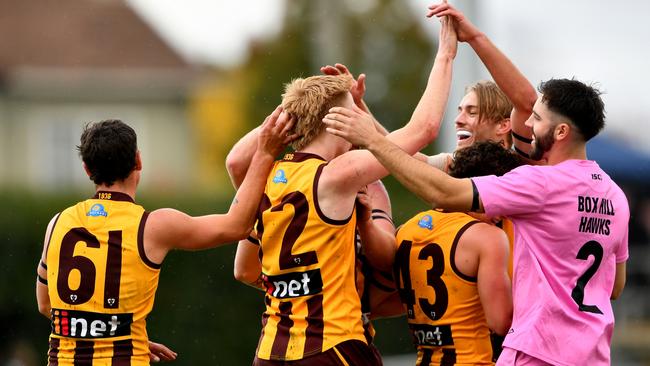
(101, 319)
(98, 273)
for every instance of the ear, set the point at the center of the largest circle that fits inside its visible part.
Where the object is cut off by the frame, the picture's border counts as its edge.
(138, 161)
(504, 127)
(562, 131)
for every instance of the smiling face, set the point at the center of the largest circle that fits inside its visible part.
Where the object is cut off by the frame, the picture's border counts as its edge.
(469, 128)
(542, 123)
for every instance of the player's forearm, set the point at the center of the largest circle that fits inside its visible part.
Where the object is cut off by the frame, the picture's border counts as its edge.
(244, 207)
(505, 74)
(428, 114)
(378, 245)
(430, 184)
(247, 268)
(43, 299)
(239, 157)
(619, 281)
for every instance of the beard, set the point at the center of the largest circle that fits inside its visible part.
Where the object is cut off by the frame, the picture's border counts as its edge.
(542, 144)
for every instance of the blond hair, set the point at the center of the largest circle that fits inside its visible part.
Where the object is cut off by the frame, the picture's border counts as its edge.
(493, 104)
(308, 101)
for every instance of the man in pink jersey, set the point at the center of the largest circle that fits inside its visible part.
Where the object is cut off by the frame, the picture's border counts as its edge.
(571, 220)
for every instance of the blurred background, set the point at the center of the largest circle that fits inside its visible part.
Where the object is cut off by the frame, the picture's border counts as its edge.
(194, 76)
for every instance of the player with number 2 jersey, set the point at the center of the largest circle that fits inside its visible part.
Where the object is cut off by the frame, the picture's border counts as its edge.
(568, 260)
(308, 266)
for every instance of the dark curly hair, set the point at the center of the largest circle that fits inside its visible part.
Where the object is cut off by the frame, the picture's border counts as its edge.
(483, 158)
(578, 102)
(108, 149)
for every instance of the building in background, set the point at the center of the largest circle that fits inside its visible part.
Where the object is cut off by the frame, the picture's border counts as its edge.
(65, 63)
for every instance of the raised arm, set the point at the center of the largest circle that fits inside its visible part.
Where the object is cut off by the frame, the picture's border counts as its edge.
(168, 228)
(239, 158)
(505, 74)
(359, 166)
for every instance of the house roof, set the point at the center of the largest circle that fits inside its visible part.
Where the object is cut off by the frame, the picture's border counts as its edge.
(85, 34)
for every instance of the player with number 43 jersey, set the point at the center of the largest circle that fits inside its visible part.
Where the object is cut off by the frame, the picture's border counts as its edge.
(443, 306)
(451, 271)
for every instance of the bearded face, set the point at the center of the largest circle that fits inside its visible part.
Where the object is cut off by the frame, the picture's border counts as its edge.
(542, 144)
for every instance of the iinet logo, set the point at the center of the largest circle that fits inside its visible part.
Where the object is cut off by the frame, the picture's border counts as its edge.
(83, 324)
(294, 284)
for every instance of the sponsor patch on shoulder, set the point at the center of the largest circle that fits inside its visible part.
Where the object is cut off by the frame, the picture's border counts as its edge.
(426, 222)
(280, 177)
(97, 210)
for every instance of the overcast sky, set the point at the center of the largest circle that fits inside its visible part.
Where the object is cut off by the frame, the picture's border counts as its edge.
(212, 31)
(593, 40)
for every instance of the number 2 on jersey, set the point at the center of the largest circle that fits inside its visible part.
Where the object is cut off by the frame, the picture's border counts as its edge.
(294, 229)
(87, 271)
(578, 294)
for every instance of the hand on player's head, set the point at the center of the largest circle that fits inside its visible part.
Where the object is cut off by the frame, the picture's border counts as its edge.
(354, 125)
(275, 132)
(358, 89)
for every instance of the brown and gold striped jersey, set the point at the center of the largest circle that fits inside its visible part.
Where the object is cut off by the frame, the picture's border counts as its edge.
(308, 266)
(443, 308)
(101, 285)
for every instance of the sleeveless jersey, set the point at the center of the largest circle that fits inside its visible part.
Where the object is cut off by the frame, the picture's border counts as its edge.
(101, 285)
(308, 266)
(443, 308)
